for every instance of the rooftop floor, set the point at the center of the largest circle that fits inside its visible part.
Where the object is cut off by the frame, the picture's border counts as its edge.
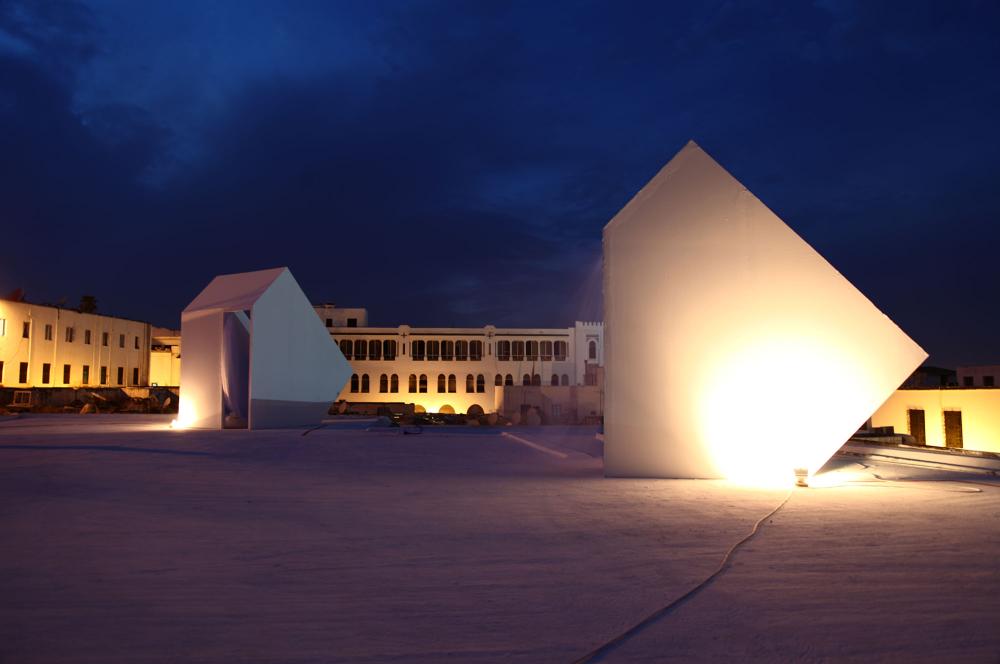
(124, 541)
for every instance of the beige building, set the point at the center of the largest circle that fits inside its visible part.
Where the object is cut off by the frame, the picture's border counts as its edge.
(44, 346)
(984, 375)
(951, 417)
(458, 370)
(165, 358)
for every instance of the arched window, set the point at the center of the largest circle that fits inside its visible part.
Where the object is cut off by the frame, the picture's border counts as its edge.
(555, 379)
(441, 387)
(461, 350)
(532, 351)
(417, 349)
(481, 383)
(413, 383)
(423, 383)
(565, 379)
(560, 351)
(347, 348)
(476, 350)
(452, 383)
(383, 383)
(517, 351)
(360, 349)
(503, 351)
(546, 351)
(508, 380)
(447, 350)
(536, 380)
(498, 381)
(433, 350)
(365, 386)
(374, 349)
(389, 349)
(354, 382)
(526, 379)
(394, 383)
(470, 383)
(592, 351)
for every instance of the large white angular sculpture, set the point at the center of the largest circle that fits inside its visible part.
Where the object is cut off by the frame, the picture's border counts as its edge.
(255, 355)
(732, 348)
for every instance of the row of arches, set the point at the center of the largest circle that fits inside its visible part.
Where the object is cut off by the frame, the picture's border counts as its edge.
(417, 384)
(433, 350)
(368, 349)
(532, 351)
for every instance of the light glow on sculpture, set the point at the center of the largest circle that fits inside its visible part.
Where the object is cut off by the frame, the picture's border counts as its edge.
(732, 348)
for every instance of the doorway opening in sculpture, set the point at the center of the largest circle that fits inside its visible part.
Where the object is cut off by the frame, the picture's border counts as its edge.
(236, 369)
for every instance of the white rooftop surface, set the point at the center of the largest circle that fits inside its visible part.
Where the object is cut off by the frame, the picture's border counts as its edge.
(124, 541)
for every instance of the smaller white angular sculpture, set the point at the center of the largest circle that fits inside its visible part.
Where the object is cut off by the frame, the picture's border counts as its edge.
(732, 348)
(255, 355)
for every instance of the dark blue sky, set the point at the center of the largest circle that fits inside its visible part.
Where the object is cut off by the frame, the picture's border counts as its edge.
(454, 162)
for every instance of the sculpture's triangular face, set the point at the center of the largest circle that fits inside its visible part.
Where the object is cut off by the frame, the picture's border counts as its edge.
(732, 348)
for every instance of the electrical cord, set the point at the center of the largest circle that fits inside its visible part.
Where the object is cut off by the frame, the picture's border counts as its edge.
(599, 652)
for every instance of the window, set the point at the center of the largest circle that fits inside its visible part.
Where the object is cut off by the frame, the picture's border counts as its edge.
(413, 383)
(470, 383)
(26, 330)
(347, 348)
(104, 338)
(46, 373)
(592, 350)
(442, 386)
(953, 428)
(461, 350)
(66, 373)
(355, 383)
(560, 351)
(508, 380)
(374, 349)
(85, 379)
(22, 373)
(565, 379)
(86, 337)
(532, 351)
(135, 375)
(1, 372)
(555, 380)
(121, 341)
(988, 381)
(389, 349)
(383, 383)
(546, 351)
(365, 384)
(967, 381)
(536, 380)
(498, 380)
(137, 342)
(433, 350)
(503, 351)
(394, 384)
(329, 322)
(3, 327)
(352, 322)
(451, 383)
(423, 383)
(104, 375)
(590, 378)
(70, 334)
(481, 383)
(447, 350)
(475, 350)
(360, 349)
(48, 332)
(517, 351)
(121, 375)
(417, 350)
(525, 379)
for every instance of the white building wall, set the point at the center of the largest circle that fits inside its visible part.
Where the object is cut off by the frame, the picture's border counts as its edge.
(127, 346)
(987, 375)
(980, 411)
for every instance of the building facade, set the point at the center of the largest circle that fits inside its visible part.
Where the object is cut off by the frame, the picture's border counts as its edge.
(957, 418)
(165, 358)
(987, 375)
(458, 370)
(44, 346)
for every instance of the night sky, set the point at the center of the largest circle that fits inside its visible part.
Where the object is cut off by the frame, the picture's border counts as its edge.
(454, 163)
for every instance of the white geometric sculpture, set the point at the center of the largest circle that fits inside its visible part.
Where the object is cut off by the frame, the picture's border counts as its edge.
(255, 355)
(732, 348)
